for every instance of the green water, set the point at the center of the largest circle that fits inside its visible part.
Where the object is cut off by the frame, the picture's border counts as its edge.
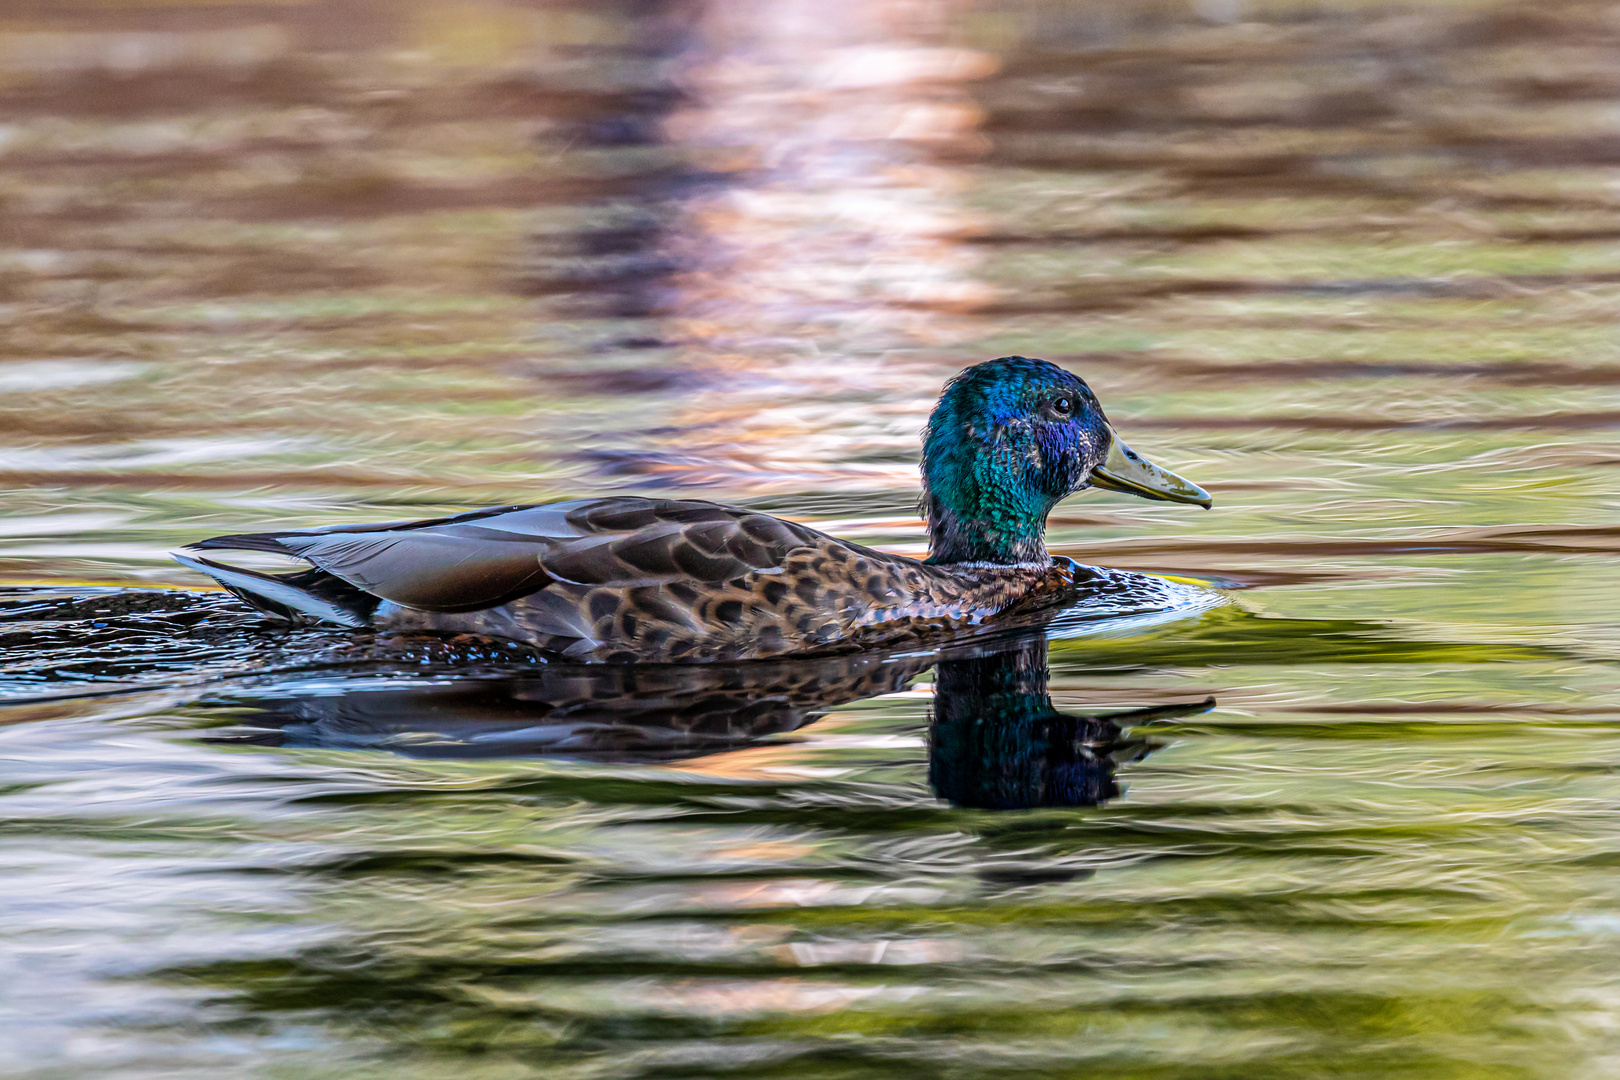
(1353, 268)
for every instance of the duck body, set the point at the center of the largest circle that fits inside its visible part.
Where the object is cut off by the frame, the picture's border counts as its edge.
(628, 579)
(632, 579)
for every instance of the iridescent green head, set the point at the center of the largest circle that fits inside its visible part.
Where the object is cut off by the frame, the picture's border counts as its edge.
(1008, 440)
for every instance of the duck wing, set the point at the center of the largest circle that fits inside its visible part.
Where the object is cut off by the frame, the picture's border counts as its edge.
(486, 558)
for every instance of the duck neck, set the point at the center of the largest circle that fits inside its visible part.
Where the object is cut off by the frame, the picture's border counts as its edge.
(986, 487)
(992, 537)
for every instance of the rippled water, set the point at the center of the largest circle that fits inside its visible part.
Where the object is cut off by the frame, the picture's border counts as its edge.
(1355, 268)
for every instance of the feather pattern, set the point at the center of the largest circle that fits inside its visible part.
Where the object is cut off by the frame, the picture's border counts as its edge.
(624, 579)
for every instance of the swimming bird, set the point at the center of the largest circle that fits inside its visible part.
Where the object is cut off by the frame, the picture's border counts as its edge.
(624, 579)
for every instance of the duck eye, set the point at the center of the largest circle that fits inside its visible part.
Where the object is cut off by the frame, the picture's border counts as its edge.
(1063, 406)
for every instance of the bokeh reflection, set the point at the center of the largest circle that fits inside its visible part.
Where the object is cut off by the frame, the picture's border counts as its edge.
(791, 232)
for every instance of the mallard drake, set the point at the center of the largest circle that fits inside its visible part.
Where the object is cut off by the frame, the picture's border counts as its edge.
(626, 579)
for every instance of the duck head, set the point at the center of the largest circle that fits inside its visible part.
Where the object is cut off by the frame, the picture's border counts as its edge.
(1008, 440)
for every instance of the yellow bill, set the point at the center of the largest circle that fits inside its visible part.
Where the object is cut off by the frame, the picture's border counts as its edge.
(1126, 470)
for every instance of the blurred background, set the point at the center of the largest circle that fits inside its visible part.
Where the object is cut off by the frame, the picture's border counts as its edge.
(288, 262)
(1354, 267)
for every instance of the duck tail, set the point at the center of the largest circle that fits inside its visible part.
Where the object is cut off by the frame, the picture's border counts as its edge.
(309, 595)
(270, 542)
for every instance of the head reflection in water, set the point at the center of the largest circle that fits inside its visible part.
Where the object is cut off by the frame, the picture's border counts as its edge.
(996, 741)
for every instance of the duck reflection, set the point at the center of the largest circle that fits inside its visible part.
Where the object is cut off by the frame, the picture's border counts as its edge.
(655, 712)
(996, 741)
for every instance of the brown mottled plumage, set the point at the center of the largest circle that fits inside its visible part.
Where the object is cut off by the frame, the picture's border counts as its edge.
(633, 579)
(649, 579)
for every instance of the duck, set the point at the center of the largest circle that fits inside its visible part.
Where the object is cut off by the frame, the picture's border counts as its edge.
(626, 579)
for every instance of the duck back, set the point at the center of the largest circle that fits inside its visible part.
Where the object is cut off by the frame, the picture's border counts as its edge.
(626, 579)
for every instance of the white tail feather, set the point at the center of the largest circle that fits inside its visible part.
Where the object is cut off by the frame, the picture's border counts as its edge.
(250, 585)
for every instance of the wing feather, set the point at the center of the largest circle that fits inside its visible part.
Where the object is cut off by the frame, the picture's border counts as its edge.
(427, 569)
(490, 557)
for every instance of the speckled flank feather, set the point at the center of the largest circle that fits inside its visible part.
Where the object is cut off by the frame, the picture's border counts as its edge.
(681, 581)
(651, 580)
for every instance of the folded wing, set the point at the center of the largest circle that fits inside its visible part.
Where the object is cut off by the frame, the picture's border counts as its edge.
(491, 557)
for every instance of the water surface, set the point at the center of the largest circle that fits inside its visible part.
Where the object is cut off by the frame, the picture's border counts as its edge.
(1354, 269)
